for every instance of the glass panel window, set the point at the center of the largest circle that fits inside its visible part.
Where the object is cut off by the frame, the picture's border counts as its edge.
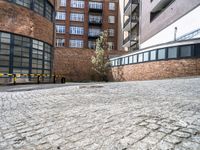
(111, 32)
(161, 54)
(76, 30)
(153, 55)
(60, 29)
(38, 45)
(111, 6)
(126, 60)
(140, 57)
(172, 52)
(185, 51)
(130, 59)
(91, 44)
(77, 3)
(60, 15)
(39, 6)
(5, 37)
(95, 5)
(60, 42)
(135, 58)
(94, 32)
(49, 11)
(111, 19)
(76, 17)
(26, 3)
(63, 3)
(95, 19)
(76, 43)
(146, 56)
(110, 46)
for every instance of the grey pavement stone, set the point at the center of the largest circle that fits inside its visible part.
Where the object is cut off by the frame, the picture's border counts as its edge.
(138, 115)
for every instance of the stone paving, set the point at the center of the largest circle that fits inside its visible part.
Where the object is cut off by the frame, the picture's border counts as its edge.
(142, 115)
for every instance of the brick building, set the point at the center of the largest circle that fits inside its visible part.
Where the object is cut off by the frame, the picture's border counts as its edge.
(79, 23)
(26, 37)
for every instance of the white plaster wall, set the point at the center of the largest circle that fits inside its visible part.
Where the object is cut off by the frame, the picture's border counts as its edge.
(185, 24)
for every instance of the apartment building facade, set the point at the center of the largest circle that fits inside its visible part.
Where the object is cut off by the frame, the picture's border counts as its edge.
(80, 22)
(169, 42)
(26, 37)
(128, 25)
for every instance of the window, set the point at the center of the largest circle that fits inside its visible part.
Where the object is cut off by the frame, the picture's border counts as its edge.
(49, 12)
(161, 54)
(140, 57)
(91, 44)
(76, 43)
(110, 46)
(60, 42)
(60, 15)
(152, 55)
(111, 19)
(135, 58)
(76, 30)
(95, 5)
(94, 32)
(39, 6)
(60, 29)
(146, 56)
(26, 3)
(126, 60)
(76, 17)
(111, 6)
(111, 32)
(95, 19)
(130, 59)
(172, 52)
(63, 3)
(185, 51)
(77, 3)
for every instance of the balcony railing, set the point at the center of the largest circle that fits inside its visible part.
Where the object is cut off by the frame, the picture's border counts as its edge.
(131, 2)
(95, 7)
(130, 38)
(94, 34)
(133, 19)
(95, 21)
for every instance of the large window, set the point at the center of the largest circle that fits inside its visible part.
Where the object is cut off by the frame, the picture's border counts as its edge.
(76, 30)
(153, 55)
(185, 51)
(60, 42)
(95, 5)
(77, 3)
(63, 3)
(60, 15)
(60, 29)
(110, 46)
(111, 19)
(172, 52)
(42, 7)
(76, 17)
(161, 54)
(76, 43)
(146, 56)
(111, 6)
(20, 54)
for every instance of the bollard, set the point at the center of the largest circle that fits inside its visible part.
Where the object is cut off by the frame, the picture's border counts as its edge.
(54, 79)
(14, 79)
(38, 79)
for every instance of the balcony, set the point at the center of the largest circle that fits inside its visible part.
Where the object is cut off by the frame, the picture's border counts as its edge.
(130, 40)
(95, 21)
(93, 35)
(95, 7)
(130, 23)
(130, 7)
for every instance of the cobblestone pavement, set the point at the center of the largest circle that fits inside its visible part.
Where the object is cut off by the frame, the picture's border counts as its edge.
(142, 115)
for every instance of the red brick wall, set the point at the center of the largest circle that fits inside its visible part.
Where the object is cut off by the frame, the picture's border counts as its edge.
(75, 64)
(156, 70)
(20, 20)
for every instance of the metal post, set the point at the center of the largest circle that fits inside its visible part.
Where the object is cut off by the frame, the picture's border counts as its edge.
(54, 79)
(14, 79)
(38, 79)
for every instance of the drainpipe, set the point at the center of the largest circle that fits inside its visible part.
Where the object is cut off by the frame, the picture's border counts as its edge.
(175, 33)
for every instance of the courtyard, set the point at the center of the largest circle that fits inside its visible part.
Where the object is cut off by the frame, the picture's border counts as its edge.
(137, 115)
